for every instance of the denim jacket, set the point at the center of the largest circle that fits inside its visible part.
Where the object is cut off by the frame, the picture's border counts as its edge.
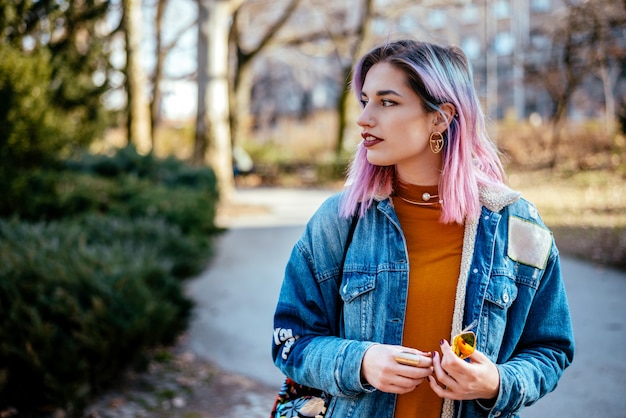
(510, 289)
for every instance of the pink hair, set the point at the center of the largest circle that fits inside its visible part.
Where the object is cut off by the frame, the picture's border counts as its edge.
(470, 159)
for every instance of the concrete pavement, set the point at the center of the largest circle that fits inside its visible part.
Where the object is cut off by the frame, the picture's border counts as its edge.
(236, 296)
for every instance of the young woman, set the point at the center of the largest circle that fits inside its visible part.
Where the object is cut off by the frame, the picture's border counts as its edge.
(441, 246)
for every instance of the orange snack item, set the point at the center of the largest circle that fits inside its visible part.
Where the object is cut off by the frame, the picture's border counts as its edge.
(464, 344)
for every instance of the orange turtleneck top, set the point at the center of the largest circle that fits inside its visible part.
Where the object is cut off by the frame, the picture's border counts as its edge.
(434, 266)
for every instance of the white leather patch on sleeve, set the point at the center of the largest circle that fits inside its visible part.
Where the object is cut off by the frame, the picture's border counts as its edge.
(528, 242)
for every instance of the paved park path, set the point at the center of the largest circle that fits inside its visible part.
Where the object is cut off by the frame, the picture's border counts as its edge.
(236, 296)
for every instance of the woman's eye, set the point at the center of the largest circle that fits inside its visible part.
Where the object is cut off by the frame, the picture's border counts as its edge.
(363, 103)
(387, 102)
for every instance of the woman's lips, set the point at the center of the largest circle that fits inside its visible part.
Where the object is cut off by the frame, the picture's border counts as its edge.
(370, 140)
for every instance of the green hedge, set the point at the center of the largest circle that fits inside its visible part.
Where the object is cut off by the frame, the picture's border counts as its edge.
(80, 300)
(90, 274)
(193, 210)
(126, 184)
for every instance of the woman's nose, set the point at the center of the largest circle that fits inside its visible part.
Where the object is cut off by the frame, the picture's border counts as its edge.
(364, 118)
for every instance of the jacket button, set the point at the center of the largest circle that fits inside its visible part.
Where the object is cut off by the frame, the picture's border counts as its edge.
(505, 298)
(497, 414)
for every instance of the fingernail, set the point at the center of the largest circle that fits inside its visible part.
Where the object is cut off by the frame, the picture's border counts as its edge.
(441, 342)
(434, 353)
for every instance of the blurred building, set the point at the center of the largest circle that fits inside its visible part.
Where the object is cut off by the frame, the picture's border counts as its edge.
(496, 35)
(500, 37)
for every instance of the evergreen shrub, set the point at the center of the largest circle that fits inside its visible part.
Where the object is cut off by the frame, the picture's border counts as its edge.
(170, 171)
(81, 300)
(143, 186)
(191, 209)
(91, 262)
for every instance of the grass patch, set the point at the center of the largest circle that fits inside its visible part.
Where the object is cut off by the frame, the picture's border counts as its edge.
(586, 210)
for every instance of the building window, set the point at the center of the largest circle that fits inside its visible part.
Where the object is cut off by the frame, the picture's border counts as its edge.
(540, 5)
(407, 23)
(471, 47)
(504, 43)
(539, 41)
(502, 9)
(470, 14)
(437, 19)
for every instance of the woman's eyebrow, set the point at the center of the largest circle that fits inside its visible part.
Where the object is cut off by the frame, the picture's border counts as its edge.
(383, 93)
(388, 93)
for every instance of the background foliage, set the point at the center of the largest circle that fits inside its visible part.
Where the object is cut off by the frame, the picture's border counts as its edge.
(91, 270)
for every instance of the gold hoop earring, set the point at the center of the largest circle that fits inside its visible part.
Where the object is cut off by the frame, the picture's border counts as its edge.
(436, 142)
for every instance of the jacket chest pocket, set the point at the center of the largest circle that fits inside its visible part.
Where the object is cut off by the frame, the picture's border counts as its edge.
(357, 292)
(501, 292)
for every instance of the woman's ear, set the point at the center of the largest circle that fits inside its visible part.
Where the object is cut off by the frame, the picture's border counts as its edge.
(446, 113)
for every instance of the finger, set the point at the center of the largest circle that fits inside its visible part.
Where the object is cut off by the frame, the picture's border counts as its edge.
(401, 385)
(442, 376)
(427, 360)
(445, 351)
(408, 359)
(414, 358)
(451, 363)
(440, 382)
(415, 372)
(410, 384)
(392, 382)
(436, 387)
(423, 363)
(478, 357)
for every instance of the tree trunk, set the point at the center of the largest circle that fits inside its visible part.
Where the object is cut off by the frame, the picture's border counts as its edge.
(560, 113)
(243, 75)
(356, 50)
(240, 105)
(608, 78)
(342, 113)
(138, 122)
(213, 141)
(202, 134)
(159, 54)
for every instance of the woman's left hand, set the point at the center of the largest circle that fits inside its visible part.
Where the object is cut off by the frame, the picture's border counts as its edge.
(458, 379)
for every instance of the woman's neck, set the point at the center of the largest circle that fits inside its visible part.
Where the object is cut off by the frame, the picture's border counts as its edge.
(420, 178)
(427, 173)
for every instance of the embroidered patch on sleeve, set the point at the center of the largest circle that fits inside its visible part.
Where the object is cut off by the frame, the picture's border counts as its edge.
(529, 243)
(285, 337)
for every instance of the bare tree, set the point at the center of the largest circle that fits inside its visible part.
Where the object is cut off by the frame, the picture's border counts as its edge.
(244, 56)
(607, 48)
(138, 122)
(161, 51)
(355, 49)
(160, 54)
(202, 134)
(586, 41)
(212, 138)
(331, 35)
(560, 70)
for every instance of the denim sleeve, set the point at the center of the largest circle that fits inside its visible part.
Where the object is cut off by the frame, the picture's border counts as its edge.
(306, 346)
(545, 349)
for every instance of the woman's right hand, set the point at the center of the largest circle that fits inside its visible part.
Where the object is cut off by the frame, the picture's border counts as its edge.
(381, 369)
